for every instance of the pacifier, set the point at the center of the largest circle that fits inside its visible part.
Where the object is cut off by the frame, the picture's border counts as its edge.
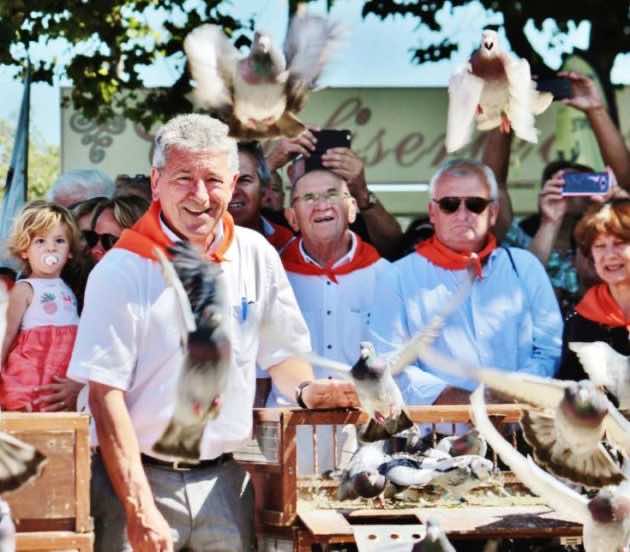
(50, 260)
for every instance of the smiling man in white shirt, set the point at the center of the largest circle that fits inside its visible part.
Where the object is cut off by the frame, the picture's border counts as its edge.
(129, 352)
(333, 273)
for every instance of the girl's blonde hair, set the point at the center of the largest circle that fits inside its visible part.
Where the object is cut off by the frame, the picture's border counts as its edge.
(37, 219)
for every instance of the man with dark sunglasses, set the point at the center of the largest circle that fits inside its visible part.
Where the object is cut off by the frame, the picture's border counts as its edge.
(510, 320)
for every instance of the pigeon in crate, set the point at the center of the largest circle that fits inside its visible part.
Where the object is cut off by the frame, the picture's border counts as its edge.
(468, 443)
(606, 368)
(434, 540)
(361, 478)
(605, 517)
(494, 90)
(200, 320)
(567, 425)
(259, 96)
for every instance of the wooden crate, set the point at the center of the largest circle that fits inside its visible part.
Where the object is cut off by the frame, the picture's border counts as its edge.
(271, 461)
(53, 511)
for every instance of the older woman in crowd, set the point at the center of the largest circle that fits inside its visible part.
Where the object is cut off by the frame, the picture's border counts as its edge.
(604, 313)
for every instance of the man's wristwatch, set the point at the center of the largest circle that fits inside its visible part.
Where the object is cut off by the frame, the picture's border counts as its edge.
(298, 394)
(372, 200)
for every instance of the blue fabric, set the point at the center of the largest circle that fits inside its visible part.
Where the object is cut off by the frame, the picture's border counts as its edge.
(510, 322)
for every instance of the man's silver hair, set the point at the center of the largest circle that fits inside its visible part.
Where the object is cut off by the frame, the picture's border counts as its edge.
(465, 167)
(80, 185)
(194, 132)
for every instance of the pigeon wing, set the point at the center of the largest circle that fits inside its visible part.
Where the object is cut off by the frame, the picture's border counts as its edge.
(184, 316)
(618, 429)
(464, 93)
(212, 59)
(326, 363)
(557, 495)
(310, 42)
(427, 336)
(19, 462)
(604, 366)
(541, 392)
(520, 109)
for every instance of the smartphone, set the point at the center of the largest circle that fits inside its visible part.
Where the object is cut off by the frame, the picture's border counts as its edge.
(560, 87)
(327, 138)
(586, 183)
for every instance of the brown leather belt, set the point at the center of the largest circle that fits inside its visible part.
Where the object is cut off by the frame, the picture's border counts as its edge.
(187, 466)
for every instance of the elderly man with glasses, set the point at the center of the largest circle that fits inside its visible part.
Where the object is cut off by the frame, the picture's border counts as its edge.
(510, 319)
(333, 273)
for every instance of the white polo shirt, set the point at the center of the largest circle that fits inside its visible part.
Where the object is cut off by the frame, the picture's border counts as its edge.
(127, 338)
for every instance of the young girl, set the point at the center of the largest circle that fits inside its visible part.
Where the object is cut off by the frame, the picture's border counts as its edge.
(42, 315)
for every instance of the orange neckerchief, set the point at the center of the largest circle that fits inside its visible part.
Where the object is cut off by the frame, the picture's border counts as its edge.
(280, 236)
(440, 255)
(147, 234)
(600, 306)
(293, 261)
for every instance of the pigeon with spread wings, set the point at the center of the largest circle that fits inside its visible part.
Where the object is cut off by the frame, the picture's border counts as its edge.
(200, 319)
(496, 91)
(259, 95)
(607, 368)
(566, 435)
(605, 517)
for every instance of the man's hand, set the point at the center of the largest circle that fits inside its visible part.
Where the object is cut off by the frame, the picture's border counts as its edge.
(61, 395)
(453, 395)
(285, 149)
(330, 393)
(348, 165)
(585, 94)
(552, 205)
(148, 531)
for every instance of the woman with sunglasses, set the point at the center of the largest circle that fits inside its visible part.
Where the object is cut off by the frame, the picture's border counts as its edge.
(110, 218)
(603, 234)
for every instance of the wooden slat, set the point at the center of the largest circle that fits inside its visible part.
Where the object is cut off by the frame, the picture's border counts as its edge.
(42, 421)
(54, 540)
(324, 523)
(83, 522)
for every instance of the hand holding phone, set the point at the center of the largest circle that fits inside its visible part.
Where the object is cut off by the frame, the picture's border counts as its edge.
(327, 138)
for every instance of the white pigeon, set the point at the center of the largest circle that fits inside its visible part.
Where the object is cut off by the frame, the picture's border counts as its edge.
(258, 96)
(496, 90)
(605, 517)
(566, 436)
(606, 368)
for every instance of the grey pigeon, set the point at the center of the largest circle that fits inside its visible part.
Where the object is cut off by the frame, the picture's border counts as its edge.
(468, 443)
(566, 436)
(434, 540)
(19, 463)
(361, 478)
(496, 91)
(607, 368)
(200, 320)
(258, 96)
(605, 517)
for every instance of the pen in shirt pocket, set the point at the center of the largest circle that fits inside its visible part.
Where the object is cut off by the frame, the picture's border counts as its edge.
(245, 308)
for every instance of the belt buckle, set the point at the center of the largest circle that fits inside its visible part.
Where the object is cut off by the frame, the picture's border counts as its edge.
(177, 467)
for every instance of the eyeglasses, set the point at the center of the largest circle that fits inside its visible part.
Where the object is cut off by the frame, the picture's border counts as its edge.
(475, 205)
(92, 238)
(329, 196)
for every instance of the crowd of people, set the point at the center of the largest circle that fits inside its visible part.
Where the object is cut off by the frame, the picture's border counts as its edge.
(321, 270)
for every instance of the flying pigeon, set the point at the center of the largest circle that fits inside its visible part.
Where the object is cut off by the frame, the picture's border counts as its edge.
(259, 96)
(566, 437)
(605, 517)
(200, 321)
(468, 443)
(496, 91)
(434, 540)
(373, 376)
(607, 368)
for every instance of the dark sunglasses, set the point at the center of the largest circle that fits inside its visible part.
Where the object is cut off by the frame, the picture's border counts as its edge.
(92, 238)
(475, 205)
